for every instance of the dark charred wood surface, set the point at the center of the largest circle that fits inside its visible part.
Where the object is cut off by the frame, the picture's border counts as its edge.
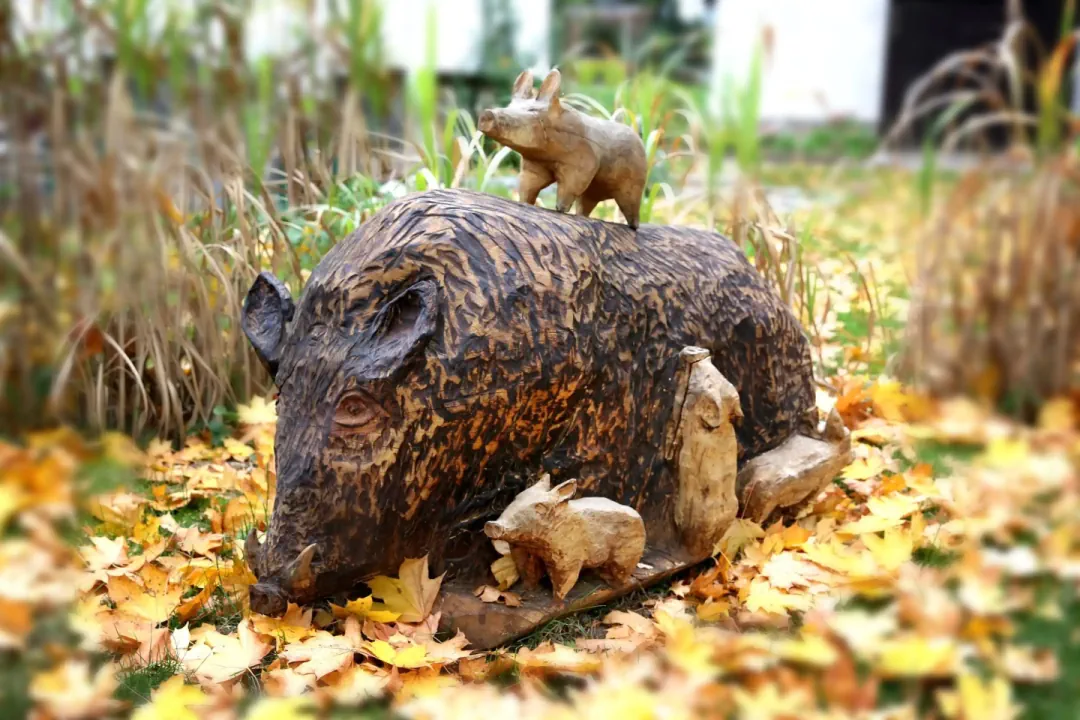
(457, 345)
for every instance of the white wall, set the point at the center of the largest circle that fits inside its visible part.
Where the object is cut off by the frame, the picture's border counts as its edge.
(828, 56)
(274, 25)
(459, 33)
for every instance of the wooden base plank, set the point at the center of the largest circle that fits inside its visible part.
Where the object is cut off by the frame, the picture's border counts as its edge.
(489, 625)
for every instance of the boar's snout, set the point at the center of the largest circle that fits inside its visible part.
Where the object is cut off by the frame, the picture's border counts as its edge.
(487, 121)
(268, 599)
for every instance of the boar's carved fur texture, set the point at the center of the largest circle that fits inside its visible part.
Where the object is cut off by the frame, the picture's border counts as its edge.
(457, 346)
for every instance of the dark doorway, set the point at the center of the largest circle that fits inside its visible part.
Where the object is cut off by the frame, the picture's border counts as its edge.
(923, 32)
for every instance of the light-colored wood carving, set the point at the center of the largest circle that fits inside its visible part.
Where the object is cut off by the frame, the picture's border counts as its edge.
(795, 472)
(706, 452)
(547, 531)
(591, 159)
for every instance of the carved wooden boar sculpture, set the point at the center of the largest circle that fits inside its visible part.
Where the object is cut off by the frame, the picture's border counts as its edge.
(544, 527)
(590, 158)
(457, 344)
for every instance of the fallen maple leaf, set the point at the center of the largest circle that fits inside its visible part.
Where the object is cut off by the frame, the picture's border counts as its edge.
(321, 654)
(738, 535)
(293, 626)
(259, 412)
(490, 594)
(412, 594)
(505, 571)
(408, 657)
(173, 700)
(358, 684)
(549, 657)
(217, 658)
(69, 692)
(364, 608)
(989, 699)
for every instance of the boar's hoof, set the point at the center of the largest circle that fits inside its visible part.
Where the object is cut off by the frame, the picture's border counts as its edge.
(268, 599)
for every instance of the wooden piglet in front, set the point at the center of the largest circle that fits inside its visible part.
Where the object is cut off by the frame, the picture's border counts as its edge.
(591, 159)
(545, 528)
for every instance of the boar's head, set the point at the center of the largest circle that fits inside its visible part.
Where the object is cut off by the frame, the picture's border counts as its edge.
(338, 361)
(528, 515)
(523, 125)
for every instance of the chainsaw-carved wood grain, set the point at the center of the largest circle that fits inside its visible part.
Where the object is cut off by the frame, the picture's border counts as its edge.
(458, 345)
(708, 454)
(590, 159)
(567, 536)
(787, 476)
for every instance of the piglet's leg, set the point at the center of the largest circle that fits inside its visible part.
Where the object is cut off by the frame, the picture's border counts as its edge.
(563, 578)
(573, 182)
(788, 476)
(532, 180)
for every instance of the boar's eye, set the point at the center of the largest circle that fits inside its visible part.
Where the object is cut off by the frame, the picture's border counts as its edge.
(355, 410)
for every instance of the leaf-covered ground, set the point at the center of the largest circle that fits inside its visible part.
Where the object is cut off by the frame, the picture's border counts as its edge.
(937, 577)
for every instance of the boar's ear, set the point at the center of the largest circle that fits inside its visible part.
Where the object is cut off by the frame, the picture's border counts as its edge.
(406, 323)
(523, 86)
(549, 89)
(267, 308)
(564, 491)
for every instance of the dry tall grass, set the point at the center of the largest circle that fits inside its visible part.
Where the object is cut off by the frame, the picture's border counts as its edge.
(996, 299)
(996, 307)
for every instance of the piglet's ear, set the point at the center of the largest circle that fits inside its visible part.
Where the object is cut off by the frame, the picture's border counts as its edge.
(268, 307)
(564, 491)
(523, 86)
(549, 89)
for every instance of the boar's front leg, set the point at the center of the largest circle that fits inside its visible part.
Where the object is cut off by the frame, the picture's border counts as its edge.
(532, 180)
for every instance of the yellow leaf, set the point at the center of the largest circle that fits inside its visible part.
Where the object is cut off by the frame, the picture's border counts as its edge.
(505, 571)
(69, 691)
(893, 550)
(410, 657)
(173, 700)
(974, 698)
(738, 535)
(885, 512)
(768, 703)
(293, 626)
(365, 608)
(320, 654)
(217, 658)
(1058, 415)
(412, 594)
(808, 649)
(259, 412)
(763, 597)
(713, 610)
(864, 468)
(917, 656)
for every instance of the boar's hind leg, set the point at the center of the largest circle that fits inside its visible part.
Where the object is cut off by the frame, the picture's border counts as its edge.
(787, 477)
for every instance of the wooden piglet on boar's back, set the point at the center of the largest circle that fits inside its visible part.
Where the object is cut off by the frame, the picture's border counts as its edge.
(590, 159)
